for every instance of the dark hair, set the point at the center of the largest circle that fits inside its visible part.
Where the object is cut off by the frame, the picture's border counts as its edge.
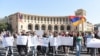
(45, 34)
(55, 34)
(32, 33)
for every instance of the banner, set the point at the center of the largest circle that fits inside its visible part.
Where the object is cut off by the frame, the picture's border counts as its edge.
(22, 40)
(42, 41)
(67, 41)
(93, 43)
(45, 42)
(29, 41)
(55, 41)
(35, 41)
(7, 41)
(39, 32)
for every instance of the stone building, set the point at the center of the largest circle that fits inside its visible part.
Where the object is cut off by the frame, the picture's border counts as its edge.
(29, 22)
(35, 22)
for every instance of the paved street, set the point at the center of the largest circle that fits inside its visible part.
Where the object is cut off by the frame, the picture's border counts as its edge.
(2, 53)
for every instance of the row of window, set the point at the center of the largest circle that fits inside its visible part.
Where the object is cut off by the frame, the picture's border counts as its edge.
(45, 18)
(43, 27)
(36, 18)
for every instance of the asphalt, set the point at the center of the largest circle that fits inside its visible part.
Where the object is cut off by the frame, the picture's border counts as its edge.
(83, 53)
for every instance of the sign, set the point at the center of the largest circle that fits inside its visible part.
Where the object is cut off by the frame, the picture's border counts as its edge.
(93, 43)
(35, 40)
(67, 41)
(22, 40)
(39, 32)
(7, 41)
(55, 41)
(45, 42)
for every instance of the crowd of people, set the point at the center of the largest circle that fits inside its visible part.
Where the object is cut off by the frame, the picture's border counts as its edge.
(79, 41)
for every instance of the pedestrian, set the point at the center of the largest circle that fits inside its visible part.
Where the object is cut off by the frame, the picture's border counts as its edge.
(50, 36)
(92, 51)
(97, 35)
(45, 43)
(79, 42)
(22, 47)
(8, 43)
(34, 41)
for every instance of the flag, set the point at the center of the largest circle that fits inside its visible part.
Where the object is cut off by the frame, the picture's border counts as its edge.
(83, 19)
(77, 20)
(19, 17)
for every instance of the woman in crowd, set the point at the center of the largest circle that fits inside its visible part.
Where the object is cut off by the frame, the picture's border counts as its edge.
(50, 36)
(29, 44)
(46, 43)
(55, 48)
(90, 50)
(8, 45)
(34, 41)
(66, 48)
(22, 49)
(74, 35)
(97, 35)
(79, 42)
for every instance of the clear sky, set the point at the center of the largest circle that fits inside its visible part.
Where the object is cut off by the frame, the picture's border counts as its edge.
(52, 8)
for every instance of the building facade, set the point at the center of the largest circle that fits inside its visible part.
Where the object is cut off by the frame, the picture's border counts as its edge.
(34, 22)
(28, 22)
(96, 27)
(86, 27)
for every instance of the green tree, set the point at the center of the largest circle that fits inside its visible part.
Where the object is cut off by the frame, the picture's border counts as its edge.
(9, 27)
(3, 26)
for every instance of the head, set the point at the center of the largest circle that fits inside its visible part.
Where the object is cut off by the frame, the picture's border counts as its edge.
(45, 34)
(8, 34)
(79, 34)
(27, 33)
(33, 33)
(50, 33)
(56, 34)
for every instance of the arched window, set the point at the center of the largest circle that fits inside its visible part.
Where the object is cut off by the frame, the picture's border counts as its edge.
(49, 27)
(36, 27)
(55, 27)
(43, 27)
(62, 27)
(68, 27)
(30, 27)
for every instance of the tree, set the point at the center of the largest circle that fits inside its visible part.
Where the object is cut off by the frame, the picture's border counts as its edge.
(9, 27)
(3, 26)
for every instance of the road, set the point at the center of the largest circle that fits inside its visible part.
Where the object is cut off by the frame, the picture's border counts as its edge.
(2, 53)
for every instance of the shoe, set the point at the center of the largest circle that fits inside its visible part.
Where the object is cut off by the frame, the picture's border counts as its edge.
(11, 55)
(25, 55)
(67, 54)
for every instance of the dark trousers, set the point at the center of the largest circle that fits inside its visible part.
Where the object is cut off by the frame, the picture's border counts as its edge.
(93, 51)
(44, 50)
(39, 49)
(21, 49)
